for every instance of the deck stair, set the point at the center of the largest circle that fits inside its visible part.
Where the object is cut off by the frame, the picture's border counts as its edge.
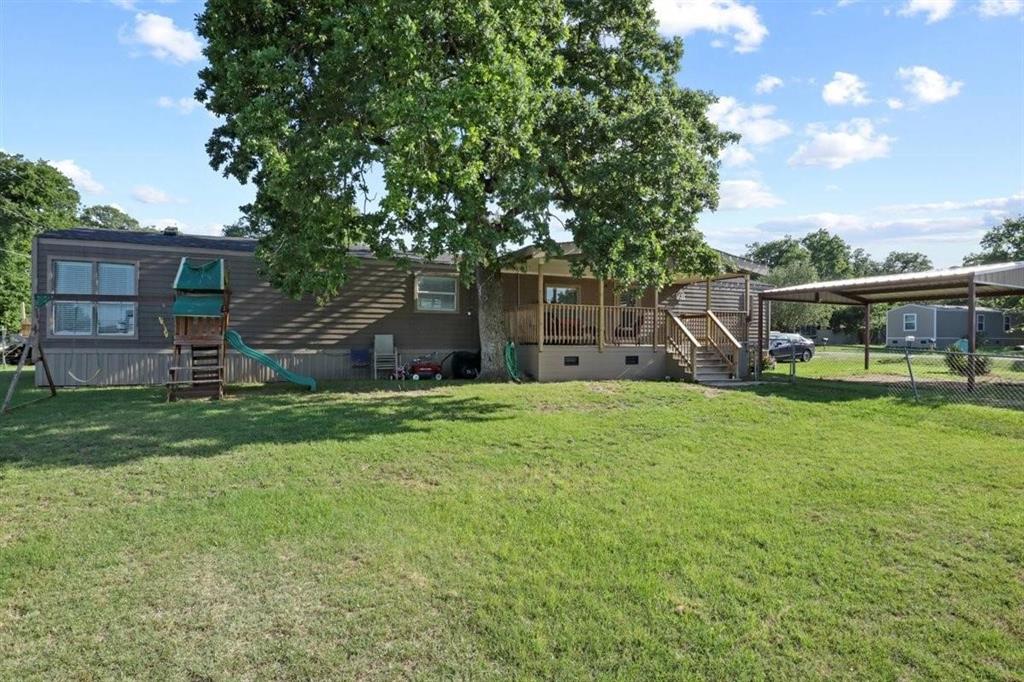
(702, 349)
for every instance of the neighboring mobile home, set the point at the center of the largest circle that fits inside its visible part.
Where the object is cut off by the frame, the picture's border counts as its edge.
(943, 325)
(108, 318)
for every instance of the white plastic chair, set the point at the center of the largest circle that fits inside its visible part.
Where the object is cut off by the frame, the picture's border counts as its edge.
(385, 355)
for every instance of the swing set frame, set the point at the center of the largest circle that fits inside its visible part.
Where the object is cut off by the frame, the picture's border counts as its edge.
(34, 341)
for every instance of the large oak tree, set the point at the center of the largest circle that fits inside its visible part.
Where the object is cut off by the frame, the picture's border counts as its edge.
(461, 127)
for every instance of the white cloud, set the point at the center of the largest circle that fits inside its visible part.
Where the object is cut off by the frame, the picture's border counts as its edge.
(849, 142)
(894, 103)
(736, 155)
(1014, 201)
(845, 88)
(81, 177)
(183, 105)
(729, 17)
(934, 10)
(148, 194)
(927, 85)
(124, 4)
(163, 38)
(1000, 8)
(831, 188)
(741, 194)
(767, 83)
(754, 123)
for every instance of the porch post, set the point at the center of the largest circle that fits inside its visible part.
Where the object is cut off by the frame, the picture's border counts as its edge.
(540, 306)
(760, 337)
(654, 322)
(972, 329)
(867, 335)
(749, 306)
(600, 315)
(707, 296)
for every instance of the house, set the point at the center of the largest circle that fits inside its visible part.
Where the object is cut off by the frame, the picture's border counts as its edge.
(943, 325)
(108, 316)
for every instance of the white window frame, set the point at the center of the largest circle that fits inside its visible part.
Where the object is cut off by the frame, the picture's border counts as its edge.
(93, 300)
(1007, 323)
(573, 287)
(910, 316)
(416, 290)
(979, 322)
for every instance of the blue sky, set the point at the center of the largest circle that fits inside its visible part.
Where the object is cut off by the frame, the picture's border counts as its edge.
(898, 124)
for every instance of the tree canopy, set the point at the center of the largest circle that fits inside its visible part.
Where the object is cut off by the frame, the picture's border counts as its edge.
(1003, 243)
(906, 261)
(460, 127)
(109, 218)
(792, 316)
(34, 197)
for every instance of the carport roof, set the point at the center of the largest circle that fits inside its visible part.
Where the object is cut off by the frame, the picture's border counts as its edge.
(996, 279)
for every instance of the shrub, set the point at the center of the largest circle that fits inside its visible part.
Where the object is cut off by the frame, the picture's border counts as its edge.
(961, 363)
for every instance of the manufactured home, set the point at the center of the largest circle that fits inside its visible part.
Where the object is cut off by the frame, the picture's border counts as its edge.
(108, 314)
(943, 325)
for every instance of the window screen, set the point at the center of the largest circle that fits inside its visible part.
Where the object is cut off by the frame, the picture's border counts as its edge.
(72, 319)
(72, 277)
(980, 322)
(115, 319)
(436, 293)
(115, 279)
(561, 295)
(910, 322)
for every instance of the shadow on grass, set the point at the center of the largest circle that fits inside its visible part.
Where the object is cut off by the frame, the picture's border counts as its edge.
(102, 427)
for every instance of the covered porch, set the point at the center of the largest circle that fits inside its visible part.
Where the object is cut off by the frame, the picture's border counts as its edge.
(692, 320)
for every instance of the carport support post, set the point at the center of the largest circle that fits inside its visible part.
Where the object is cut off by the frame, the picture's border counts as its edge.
(867, 336)
(972, 330)
(600, 315)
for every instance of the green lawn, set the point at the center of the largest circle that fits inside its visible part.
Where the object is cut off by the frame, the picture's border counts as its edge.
(629, 530)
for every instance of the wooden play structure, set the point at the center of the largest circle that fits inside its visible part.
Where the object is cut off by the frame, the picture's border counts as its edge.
(200, 309)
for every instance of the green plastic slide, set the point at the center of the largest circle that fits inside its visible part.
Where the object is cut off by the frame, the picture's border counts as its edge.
(236, 342)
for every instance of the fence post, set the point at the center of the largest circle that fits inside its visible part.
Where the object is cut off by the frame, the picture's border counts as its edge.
(910, 369)
(792, 363)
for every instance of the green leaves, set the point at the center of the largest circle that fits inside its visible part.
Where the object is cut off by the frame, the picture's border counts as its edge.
(460, 127)
(34, 197)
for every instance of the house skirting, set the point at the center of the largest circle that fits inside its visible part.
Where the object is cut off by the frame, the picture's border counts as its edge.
(142, 367)
(569, 363)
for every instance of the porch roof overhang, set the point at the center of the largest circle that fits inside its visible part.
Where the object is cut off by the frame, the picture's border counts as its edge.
(735, 266)
(996, 279)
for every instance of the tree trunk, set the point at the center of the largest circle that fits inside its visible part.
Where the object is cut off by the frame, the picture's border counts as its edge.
(491, 322)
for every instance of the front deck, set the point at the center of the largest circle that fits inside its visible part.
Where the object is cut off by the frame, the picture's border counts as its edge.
(708, 345)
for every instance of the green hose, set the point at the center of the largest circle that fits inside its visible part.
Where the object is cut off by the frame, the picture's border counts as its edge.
(512, 362)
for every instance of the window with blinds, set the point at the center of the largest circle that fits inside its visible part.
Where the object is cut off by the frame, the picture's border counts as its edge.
(436, 294)
(72, 277)
(93, 317)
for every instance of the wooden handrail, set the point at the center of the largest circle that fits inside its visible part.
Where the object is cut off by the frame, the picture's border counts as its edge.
(675, 318)
(724, 329)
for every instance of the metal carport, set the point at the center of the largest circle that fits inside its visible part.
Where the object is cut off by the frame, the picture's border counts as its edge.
(969, 282)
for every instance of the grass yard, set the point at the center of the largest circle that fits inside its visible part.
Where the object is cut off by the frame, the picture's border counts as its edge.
(629, 530)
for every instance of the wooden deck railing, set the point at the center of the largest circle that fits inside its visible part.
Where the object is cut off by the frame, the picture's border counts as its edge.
(681, 341)
(722, 340)
(581, 325)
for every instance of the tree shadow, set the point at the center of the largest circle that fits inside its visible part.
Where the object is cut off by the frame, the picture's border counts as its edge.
(112, 426)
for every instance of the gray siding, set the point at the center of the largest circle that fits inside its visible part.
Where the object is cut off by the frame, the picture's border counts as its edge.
(894, 332)
(377, 300)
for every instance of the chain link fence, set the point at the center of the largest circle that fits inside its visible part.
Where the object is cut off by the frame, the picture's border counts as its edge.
(915, 374)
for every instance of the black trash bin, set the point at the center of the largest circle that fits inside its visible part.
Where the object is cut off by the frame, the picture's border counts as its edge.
(465, 365)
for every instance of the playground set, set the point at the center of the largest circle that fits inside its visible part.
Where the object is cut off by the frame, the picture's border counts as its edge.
(201, 308)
